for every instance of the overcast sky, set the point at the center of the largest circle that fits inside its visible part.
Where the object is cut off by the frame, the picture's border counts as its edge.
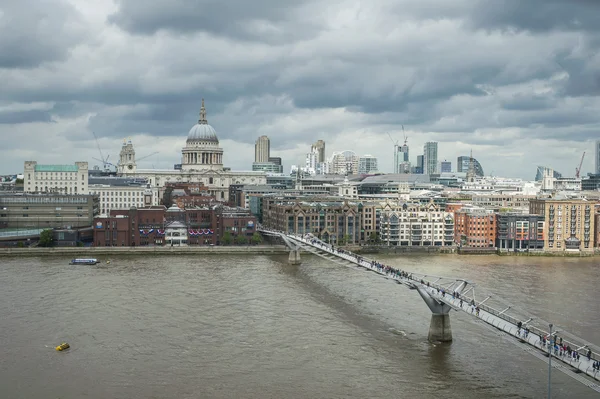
(517, 82)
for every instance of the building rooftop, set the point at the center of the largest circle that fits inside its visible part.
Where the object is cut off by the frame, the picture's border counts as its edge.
(56, 168)
(117, 181)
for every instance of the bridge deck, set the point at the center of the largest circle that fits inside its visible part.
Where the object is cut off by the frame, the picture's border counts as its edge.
(496, 318)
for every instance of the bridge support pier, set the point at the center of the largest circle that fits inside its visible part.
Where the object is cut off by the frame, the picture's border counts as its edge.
(294, 258)
(439, 328)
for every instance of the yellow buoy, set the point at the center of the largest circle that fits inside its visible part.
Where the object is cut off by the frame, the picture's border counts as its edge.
(108, 262)
(63, 346)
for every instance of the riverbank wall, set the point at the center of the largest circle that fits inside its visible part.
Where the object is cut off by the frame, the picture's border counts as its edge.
(94, 252)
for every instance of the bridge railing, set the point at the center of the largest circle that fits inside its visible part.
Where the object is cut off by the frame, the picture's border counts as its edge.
(501, 314)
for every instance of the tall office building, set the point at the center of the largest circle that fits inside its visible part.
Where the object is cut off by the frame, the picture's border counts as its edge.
(446, 166)
(401, 162)
(463, 164)
(367, 164)
(597, 166)
(430, 161)
(420, 165)
(319, 147)
(262, 150)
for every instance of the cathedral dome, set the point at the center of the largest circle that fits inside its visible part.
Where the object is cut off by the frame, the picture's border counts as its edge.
(202, 131)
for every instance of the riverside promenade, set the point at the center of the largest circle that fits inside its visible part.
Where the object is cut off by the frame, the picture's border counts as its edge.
(92, 252)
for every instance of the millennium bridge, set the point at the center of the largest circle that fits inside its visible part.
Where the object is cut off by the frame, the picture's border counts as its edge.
(445, 294)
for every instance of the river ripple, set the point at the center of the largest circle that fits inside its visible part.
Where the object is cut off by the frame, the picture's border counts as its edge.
(255, 327)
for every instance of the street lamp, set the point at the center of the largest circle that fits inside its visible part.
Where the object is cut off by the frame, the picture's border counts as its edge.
(550, 349)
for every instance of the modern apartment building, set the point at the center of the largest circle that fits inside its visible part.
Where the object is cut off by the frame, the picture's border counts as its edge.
(519, 232)
(430, 158)
(569, 223)
(415, 225)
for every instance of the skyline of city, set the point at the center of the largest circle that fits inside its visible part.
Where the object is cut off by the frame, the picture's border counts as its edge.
(521, 93)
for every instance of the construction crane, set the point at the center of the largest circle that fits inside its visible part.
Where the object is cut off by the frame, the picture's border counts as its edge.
(105, 164)
(147, 156)
(404, 134)
(578, 170)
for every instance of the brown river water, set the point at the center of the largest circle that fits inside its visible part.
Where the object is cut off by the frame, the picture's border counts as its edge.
(256, 327)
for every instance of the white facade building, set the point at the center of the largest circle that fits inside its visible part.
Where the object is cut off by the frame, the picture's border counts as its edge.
(117, 193)
(415, 225)
(63, 179)
(342, 163)
(367, 164)
(202, 162)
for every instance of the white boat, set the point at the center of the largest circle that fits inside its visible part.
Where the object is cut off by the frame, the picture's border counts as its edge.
(84, 261)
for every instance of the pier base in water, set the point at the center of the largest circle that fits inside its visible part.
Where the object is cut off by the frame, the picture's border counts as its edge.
(440, 329)
(294, 258)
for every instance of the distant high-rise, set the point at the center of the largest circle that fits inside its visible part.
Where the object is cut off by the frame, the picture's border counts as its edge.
(446, 166)
(462, 165)
(597, 166)
(275, 160)
(430, 154)
(319, 147)
(262, 150)
(367, 164)
(401, 163)
(420, 164)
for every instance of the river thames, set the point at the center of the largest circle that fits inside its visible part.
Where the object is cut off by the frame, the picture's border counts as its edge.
(256, 327)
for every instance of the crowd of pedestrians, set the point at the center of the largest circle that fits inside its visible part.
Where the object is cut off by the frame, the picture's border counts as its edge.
(559, 348)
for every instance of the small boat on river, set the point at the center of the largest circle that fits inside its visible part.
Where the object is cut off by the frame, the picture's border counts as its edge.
(84, 261)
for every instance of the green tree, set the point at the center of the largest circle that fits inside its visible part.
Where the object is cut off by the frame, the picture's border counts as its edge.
(241, 240)
(257, 238)
(46, 238)
(374, 237)
(227, 238)
(347, 239)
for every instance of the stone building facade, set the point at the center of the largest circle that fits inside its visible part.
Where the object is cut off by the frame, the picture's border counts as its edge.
(59, 179)
(569, 223)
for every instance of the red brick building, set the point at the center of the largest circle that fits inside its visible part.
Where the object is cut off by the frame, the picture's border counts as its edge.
(133, 227)
(474, 228)
(147, 226)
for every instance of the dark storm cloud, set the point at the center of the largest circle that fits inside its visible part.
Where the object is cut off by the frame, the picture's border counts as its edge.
(33, 32)
(529, 102)
(17, 117)
(537, 15)
(303, 70)
(267, 20)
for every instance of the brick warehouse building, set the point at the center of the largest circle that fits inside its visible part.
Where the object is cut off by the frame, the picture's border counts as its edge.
(147, 226)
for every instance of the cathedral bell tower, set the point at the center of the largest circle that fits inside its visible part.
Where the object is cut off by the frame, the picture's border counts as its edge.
(126, 158)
